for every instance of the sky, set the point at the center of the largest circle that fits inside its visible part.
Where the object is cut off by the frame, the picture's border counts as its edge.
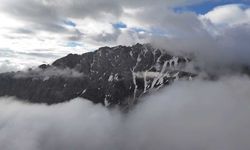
(39, 31)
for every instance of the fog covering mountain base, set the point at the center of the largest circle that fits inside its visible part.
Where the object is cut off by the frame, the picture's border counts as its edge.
(185, 116)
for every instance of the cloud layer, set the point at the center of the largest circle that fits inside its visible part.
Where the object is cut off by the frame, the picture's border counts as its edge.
(188, 115)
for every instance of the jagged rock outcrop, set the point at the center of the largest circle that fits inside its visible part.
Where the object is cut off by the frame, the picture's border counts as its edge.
(116, 75)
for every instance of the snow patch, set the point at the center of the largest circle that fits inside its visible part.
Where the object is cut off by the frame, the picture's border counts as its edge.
(110, 78)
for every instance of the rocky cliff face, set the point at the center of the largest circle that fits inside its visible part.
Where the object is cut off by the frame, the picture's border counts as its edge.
(111, 76)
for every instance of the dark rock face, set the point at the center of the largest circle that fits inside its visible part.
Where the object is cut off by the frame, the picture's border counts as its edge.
(117, 75)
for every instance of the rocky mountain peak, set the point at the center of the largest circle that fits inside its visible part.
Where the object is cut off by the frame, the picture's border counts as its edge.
(110, 75)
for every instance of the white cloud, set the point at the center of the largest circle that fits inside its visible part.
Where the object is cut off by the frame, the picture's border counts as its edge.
(231, 15)
(42, 27)
(211, 115)
(216, 47)
(75, 125)
(6, 66)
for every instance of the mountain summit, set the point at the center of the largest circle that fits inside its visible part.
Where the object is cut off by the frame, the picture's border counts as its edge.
(110, 75)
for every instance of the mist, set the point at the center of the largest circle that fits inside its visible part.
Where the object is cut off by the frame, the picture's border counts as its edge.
(49, 72)
(188, 115)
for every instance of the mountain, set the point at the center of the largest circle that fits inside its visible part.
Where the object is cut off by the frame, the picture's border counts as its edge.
(110, 75)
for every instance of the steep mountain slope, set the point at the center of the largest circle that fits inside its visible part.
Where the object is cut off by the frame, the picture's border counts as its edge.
(116, 75)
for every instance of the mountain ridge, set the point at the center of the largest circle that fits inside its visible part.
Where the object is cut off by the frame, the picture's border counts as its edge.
(110, 75)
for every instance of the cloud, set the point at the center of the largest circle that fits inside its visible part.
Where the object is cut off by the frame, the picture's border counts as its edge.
(49, 72)
(49, 16)
(11, 60)
(215, 47)
(46, 25)
(231, 15)
(194, 115)
(187, 115)
(6, 66)
(229, 48)
(75, 125)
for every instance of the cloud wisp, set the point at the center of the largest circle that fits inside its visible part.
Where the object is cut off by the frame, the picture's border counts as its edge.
(49, 72)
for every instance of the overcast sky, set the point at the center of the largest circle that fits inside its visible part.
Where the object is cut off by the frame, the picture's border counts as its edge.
(39, 31)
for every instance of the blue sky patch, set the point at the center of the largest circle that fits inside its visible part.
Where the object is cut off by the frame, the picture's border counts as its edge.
(69, 23)
(73, 44)
(119, 25)
(138, 29)
(204, 7)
